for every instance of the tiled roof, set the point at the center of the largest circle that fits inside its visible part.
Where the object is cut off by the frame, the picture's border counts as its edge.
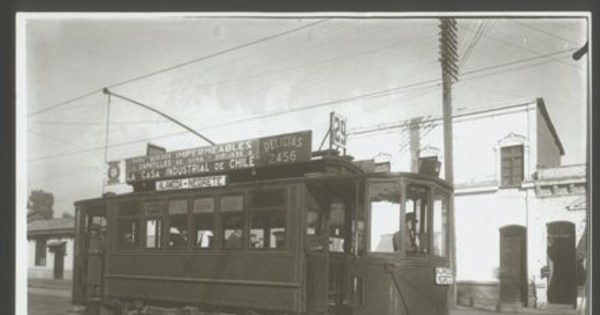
(52, 225)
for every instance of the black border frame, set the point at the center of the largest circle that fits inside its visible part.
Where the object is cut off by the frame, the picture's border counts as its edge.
(8, 139)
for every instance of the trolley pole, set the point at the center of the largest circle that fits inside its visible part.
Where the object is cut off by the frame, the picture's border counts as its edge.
(448, 60)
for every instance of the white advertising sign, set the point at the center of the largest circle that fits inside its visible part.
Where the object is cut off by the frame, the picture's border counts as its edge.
(191, 183)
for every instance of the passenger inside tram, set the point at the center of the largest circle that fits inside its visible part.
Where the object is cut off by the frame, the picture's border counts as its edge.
(410, 241)
(204, 239)
(234, 239)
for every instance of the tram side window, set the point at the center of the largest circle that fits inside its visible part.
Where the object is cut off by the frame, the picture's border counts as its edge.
(267, 220)
(417, 233)
(128, 225)
(314, 229)
(336, 226)
(178, 224)
(440, 224)
(384, 200)
(204, 222)
(153, 213)
(232, 221)
(358, 229)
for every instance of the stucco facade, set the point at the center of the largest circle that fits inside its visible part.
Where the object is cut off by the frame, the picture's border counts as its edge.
(52, 237)
(484, 203)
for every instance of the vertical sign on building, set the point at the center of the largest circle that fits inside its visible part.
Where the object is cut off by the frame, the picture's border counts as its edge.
(337, 132)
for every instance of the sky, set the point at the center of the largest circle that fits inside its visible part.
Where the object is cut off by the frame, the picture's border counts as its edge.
(235, 78)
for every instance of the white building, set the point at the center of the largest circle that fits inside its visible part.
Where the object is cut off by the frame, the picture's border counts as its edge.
(50, 248)
(507, 172)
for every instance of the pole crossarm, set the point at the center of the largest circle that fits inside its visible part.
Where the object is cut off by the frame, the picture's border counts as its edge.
(107, 91)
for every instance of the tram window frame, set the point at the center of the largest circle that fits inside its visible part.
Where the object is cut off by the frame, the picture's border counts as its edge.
(337, 226)
(177, 216)
(197, 215)
(273, 210)
(422, 228)
(315, 232)
(226, 213)
(391, 245)
(132, 214)
(158, 217)
(444, 206)
(358, 225)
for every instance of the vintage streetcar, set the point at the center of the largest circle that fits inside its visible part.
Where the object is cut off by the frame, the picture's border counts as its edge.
(265, 226)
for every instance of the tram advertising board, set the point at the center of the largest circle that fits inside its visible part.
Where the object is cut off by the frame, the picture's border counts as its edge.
(253, 153)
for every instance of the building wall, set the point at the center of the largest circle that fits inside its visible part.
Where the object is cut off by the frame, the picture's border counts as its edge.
(47, 271)
(479, 217)
(546, 210)
(482, 207)
(549, 153)
(477, 138)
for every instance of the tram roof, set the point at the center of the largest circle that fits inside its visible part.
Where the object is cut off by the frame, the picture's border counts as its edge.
(323, 169)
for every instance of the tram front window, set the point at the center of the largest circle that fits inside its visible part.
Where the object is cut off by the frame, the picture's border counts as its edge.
(440, 224)
(417, 232)
(385, 217)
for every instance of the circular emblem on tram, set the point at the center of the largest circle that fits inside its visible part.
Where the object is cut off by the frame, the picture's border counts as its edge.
(113, 172)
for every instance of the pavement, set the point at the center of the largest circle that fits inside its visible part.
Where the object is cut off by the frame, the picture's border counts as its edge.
(56, 284)
(44, 292)
(464, 310)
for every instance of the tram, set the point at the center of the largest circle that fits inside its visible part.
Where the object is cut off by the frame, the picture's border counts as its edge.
(288, 231)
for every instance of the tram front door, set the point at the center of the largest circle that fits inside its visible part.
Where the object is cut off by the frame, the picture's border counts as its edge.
(328, 248)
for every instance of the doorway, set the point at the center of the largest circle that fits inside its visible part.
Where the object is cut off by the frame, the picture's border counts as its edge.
(329, 210)
(59, 250)
(562, 287)
(513, 265)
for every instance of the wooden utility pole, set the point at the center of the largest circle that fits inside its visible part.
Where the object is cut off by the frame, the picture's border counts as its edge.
(448, 60)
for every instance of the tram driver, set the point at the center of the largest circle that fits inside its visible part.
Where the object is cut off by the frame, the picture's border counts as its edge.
(410, 241)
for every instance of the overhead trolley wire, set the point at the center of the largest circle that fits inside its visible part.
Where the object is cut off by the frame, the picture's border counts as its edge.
(371, 94)
(141, 77)
(570, 41)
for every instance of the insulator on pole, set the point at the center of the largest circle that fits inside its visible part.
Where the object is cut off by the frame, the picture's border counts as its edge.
(448, 48)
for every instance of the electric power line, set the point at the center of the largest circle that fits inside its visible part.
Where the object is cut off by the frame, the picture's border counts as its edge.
(263, 39)
(371, 94)
(544, 32)
(531, 51)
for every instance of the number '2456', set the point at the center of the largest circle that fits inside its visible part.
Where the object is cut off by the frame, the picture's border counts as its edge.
(282, 157)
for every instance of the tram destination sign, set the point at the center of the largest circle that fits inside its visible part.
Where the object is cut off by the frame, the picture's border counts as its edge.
(254, 153)
(190, 183)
